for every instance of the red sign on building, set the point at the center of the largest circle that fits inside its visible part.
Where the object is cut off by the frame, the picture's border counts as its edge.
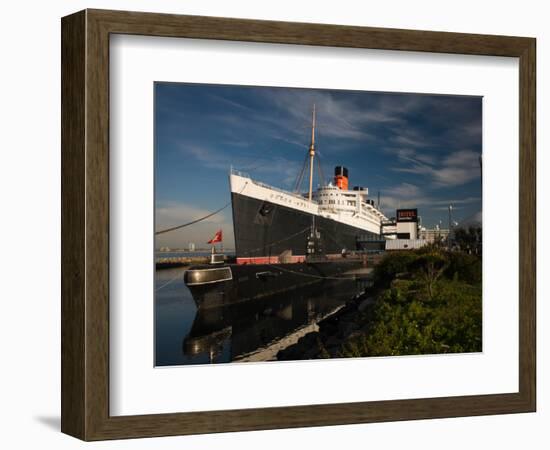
(407, 215)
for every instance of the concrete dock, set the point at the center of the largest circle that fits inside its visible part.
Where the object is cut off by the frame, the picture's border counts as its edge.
(179, 261)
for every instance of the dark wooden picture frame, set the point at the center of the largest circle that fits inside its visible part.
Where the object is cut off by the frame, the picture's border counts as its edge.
(85, 224)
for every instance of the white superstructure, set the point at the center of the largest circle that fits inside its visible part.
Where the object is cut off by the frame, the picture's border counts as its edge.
(344, 206)
(350, 207)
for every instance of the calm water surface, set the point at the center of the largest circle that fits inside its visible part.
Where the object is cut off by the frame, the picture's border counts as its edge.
(185, 335)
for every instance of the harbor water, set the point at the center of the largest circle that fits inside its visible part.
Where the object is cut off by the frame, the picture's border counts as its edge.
(252, 330)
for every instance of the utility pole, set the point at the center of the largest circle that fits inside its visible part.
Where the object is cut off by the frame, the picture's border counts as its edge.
(450, 226)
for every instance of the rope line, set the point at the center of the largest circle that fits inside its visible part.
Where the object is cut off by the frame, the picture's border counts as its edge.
(194, 221)
(277, 242)
(311, 275)
(199, 219)
(300, 177)
(168, 282)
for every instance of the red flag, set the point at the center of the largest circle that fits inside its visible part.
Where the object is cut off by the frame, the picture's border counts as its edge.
(217, 237)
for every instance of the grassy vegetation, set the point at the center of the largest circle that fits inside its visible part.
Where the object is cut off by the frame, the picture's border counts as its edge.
(428, 301)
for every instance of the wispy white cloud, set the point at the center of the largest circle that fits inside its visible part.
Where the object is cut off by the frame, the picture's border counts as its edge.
(338, 118)
(446, 208)
(405, 190)
(403, 195)
(455, 169)
(254, 163)
(407, 195)
(416, 157)
(454, 201)
(230, 102)
(409, 141)
(206, 156)
(458, 168)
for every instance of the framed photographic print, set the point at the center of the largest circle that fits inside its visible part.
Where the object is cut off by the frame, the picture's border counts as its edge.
(270, 224)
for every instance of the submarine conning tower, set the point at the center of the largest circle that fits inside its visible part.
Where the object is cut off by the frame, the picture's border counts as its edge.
(341, 177)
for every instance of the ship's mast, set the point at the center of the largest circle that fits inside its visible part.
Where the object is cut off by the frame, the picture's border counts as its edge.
(311, 154)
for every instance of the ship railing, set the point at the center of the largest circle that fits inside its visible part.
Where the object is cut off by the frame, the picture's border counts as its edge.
(239, 173)
(267, 186)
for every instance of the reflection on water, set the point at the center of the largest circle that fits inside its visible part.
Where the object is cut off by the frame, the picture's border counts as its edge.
(185, 335)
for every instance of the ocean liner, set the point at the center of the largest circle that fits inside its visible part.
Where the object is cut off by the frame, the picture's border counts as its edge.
(289, 240)
(273, 226)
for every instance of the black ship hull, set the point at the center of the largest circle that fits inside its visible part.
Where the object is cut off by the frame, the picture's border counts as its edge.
(264, 231)
(214, 287)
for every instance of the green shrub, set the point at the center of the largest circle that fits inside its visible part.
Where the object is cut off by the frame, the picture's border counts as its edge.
(436, 308)
(464, 267)
(391, 265)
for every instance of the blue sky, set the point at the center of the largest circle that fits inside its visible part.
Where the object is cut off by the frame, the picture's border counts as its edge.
(418, 150)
